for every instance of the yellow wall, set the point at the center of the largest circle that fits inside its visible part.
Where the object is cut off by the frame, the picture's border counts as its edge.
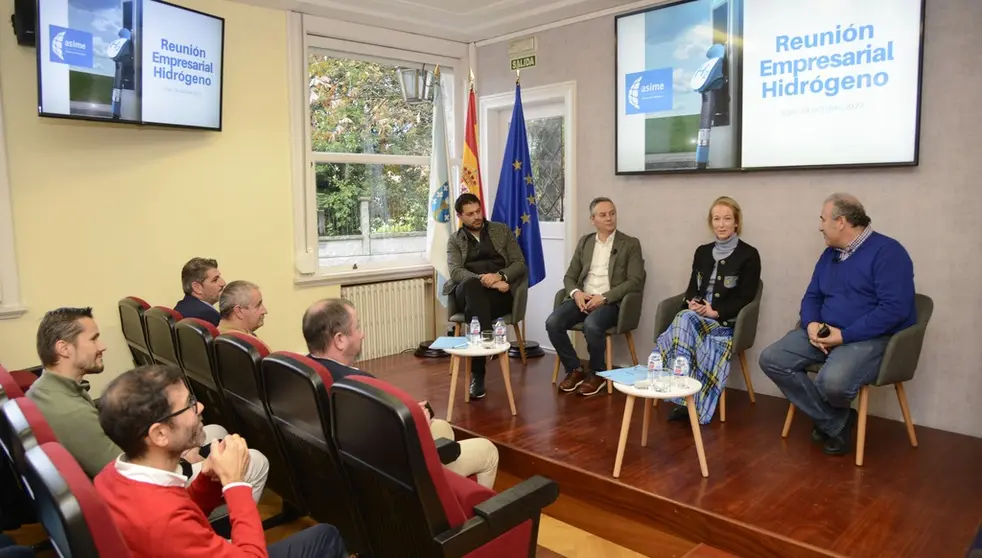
(103, 211)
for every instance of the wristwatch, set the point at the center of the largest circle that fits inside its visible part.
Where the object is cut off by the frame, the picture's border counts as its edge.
(503, 277)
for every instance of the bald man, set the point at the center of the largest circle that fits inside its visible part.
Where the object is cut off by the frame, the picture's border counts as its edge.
(861, 293)
(334, 335)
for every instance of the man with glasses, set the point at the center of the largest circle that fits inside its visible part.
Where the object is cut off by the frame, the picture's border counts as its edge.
(150, 413)
(69, 347)
(241, 308)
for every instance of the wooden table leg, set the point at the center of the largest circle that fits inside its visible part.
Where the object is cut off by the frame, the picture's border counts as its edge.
(625, 428)
(454, 368)
(506, 373)
(787, 421)
(861, 426)
(644, 423)
(690, 404)
(467, 380)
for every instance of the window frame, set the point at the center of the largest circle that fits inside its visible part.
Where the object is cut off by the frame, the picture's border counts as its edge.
(11, 305)
(307, 34)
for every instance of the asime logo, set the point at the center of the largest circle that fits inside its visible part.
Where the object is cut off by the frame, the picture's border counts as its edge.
(56, 45)
(71, 46)
(649, 91)
(632, 93)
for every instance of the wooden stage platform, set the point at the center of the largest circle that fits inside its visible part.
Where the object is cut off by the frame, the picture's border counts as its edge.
(764, 496)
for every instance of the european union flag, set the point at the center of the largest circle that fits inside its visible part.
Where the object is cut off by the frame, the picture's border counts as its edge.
(515, 202)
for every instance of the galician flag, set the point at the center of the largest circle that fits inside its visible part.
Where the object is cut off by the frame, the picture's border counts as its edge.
(438, 226)
(470, 173)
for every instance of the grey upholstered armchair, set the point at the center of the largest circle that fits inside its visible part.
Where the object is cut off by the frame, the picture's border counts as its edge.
(627, 321)
(744, 335)
(898, 366)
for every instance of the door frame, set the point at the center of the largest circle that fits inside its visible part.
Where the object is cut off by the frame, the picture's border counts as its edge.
(489, 109)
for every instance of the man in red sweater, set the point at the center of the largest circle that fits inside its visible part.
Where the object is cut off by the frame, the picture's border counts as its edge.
(150, 414)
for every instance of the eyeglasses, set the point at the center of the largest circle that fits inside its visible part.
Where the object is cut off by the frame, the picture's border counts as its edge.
(192, 404)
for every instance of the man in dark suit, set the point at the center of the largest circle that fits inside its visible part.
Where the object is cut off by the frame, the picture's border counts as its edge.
(606, 266)
(203, 284)
(485, 261)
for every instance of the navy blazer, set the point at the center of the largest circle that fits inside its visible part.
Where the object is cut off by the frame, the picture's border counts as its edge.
(339, 371)
(191, 307)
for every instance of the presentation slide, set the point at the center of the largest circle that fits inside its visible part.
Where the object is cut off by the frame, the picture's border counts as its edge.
(830, 82)
(677, 69)
(182, 66)
(78, 76)
(139, 61)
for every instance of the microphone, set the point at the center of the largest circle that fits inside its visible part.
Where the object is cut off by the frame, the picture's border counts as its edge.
(613, 252)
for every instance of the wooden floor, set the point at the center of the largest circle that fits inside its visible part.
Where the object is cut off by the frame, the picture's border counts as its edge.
(764, 496)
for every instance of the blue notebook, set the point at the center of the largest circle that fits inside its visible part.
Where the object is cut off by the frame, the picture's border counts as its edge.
(625, 375)
(449, 343)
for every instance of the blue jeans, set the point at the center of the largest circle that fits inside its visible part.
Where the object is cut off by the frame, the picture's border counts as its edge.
(320, 541)
(9, 549)
(595, 326)
(846, 369)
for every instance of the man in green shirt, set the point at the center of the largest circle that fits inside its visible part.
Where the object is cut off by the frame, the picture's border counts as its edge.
(69, 347)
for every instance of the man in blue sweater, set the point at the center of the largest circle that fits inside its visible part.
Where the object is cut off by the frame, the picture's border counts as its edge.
(861, 293)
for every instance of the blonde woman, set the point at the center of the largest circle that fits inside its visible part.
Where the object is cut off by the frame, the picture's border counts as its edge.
(724, 279)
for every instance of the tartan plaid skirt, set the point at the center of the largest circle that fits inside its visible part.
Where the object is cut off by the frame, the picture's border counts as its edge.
(707, 345)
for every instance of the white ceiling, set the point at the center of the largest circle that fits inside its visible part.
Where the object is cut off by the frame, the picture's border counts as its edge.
(458, 20)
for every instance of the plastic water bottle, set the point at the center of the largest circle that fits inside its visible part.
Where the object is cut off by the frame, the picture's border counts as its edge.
(680, 371)
(500, 332)
(654, 368)
(474, 333)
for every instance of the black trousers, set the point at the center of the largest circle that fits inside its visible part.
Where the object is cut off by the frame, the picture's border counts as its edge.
(318, 541)
(487, 304)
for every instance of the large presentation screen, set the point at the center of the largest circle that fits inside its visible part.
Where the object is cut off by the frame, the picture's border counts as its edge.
(677, 69)
(716, 85)
(139, 61)
(830, 82)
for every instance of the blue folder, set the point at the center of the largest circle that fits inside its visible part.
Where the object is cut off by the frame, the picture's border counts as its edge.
(625, 375)
(449, 343)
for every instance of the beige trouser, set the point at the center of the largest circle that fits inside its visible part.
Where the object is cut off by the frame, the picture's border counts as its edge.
(255, 475)
(478, 456)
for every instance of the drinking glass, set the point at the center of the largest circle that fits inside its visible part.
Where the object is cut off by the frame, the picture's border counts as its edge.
(487, 339)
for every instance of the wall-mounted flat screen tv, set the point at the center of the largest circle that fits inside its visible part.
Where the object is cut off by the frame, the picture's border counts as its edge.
(136, 61)
(716, 85)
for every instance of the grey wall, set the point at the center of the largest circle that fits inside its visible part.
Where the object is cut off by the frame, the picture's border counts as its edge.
(933, 209)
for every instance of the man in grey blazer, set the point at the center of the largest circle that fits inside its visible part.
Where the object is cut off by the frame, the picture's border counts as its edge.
(606, 266)
(485, 261)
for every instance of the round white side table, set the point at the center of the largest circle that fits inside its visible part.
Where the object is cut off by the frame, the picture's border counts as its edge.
(691, 387)
(477, 351)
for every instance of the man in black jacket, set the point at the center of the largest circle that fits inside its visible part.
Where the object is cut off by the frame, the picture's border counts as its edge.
(485, 260)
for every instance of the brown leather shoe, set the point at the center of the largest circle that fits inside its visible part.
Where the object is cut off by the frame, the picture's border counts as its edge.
(572, 380)
(591, 386)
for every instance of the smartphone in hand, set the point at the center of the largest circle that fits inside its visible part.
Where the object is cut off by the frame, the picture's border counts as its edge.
(205, 450)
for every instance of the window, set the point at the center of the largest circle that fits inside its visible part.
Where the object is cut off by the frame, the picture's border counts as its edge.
(545, 137)
(369, 156)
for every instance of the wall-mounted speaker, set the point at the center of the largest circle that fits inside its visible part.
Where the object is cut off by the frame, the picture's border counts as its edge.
(24, 22)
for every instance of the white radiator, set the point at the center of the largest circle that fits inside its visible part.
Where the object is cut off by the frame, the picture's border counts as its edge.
(395, 315)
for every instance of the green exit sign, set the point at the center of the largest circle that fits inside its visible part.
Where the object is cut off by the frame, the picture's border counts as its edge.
(523, 62)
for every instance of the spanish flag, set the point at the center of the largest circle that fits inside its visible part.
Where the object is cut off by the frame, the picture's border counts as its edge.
(470, 174)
